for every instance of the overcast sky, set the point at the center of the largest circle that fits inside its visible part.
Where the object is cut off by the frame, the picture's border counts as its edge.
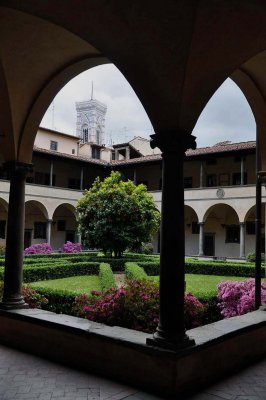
(227, 116)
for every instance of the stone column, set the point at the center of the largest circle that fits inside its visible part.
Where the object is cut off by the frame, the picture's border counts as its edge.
(12, 297)
(51, 173)
(127, 153)
(201, 174)
(242, 239)
(81, 178)
(78, 238)
(135, 176)
(170, 333)
(242, 171)
(201, 238)
(48, 230)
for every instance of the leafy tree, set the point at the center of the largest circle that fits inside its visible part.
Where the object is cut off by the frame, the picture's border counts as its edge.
(114, 215)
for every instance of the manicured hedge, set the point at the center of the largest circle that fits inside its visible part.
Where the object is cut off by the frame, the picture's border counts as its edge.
(106, 277)
(208, 268)
(59, 301)
(223, 269)
(57, 271)
(134, 272)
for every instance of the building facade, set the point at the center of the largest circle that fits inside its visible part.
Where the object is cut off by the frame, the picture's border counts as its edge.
(219, 184)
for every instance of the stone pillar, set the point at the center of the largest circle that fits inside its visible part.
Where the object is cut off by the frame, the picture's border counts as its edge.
(51, 173)
(12, 297)
(78, 238)
(201, 174)
(135, 176)
(242, 172)
(81, 178)
(242, 240)
(48, 230)
(201, 238)
(127, 153)
(170, 333)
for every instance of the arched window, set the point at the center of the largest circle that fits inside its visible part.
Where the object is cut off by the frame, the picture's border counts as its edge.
(85, 133)
(98, 136)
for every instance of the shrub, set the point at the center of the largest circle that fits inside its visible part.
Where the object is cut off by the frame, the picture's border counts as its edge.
(33, 298)
(133, 271)
(59, 301)
(42, 248)
(134, 306)
(70, 247)
(251, 257)
(237, 298)
(106, 277)
(58, 270)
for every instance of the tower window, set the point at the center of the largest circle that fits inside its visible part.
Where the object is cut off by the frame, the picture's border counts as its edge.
(98, 137)
(85, 135)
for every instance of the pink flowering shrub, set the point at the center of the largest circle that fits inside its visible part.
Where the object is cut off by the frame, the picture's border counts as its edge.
(41, 248)
(237, 298)
(33, 298)
(134, 306)
(70, 247)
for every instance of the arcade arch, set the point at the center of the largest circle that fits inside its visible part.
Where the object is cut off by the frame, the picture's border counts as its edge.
(64, 225)
(36, 216)
(184, 73)
(191, 231)
(221, 233)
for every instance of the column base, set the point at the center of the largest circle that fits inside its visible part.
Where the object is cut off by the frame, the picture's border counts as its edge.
(173, 343)
(263, 307)
(13, 304)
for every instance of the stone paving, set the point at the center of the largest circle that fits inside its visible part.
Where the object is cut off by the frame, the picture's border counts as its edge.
(23, 376)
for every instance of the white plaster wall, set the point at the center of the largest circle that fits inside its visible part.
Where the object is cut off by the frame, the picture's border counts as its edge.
(143, 146)
(65, 144)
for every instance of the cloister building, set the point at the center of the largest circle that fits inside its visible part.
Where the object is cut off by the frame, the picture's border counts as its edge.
(175, 54)
(219, 184)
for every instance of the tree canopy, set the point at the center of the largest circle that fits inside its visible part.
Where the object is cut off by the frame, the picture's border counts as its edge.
(114, 215)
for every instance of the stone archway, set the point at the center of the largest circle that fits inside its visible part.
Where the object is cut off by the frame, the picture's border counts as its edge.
(64, 225)
(191, 231)
(221, 231)
(36, 216)
(250, 218)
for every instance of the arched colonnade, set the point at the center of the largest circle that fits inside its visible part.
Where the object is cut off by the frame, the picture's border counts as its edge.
(49, 221)
(175, 55)
(221, 230)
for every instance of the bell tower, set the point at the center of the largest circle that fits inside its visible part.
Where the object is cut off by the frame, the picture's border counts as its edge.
(91, 121)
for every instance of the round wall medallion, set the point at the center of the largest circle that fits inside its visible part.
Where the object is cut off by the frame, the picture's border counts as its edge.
(220, 193)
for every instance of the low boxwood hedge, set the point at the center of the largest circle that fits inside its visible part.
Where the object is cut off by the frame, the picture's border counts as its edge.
(208, 268)
(134, 272)
(107, 280)
(59, 301)
(57, 271)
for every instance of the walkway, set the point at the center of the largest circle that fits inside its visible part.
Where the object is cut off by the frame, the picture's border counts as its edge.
(23, 376)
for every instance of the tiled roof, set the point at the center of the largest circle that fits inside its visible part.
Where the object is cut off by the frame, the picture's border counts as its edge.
(222, 147)
(71, 156)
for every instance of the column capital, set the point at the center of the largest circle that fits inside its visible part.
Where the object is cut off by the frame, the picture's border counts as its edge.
(49, 220)
(173, 141)
(18, 168)
(242, 223)
(202, 223)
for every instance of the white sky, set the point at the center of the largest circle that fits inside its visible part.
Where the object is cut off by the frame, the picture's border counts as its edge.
(227, 116)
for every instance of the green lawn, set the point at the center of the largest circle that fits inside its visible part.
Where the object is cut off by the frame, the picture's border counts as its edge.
(201, 285)
(77, 284)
